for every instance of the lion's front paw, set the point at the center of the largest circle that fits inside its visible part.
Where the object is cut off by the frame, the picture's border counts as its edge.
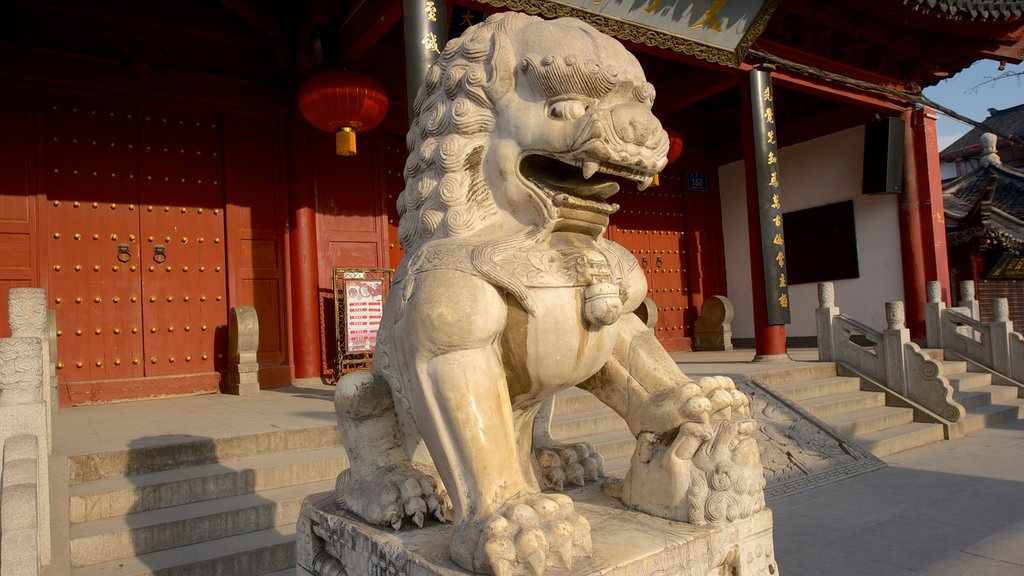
(570, 463)
(527, 534)
(390, 498)
(707, 468)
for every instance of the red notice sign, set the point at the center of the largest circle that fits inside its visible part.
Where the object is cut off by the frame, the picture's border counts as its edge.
(364, 303)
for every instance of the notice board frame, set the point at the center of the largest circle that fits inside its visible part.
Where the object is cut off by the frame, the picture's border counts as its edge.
(369, 288)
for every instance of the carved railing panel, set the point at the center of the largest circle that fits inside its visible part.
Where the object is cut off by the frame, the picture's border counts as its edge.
(889, 358)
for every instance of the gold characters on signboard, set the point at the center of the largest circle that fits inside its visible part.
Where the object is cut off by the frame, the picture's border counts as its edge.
(710, 18)
(782, 281)
(431, 11)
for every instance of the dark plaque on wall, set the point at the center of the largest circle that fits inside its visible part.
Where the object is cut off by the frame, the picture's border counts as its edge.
(821, 243)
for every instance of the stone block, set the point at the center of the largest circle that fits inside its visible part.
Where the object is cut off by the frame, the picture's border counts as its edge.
(713, 329)
(332, 542)
(243, 345)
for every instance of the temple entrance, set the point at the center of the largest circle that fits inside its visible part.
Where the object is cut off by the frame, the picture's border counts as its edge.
(135, 219)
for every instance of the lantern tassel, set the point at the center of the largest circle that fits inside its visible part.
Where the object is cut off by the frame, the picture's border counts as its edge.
(345, 141)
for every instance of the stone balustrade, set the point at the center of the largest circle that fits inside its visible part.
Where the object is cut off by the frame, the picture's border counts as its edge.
(993, 345)
(19, 516)
(888, 356)
(24, 413)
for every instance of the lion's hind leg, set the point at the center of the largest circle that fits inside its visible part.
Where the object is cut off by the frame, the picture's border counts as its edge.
(382, 485)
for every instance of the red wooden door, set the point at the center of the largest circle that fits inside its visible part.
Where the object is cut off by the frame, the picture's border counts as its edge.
(651, 225)
(136, 217)
(182, 223)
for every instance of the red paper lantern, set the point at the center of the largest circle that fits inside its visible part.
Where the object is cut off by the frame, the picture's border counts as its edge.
(344, 103)
(675, 145)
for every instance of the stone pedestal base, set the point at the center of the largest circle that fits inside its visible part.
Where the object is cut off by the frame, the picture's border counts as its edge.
(243, 379)
(330, 542)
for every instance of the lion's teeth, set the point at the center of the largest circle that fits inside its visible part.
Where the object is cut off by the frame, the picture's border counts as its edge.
(589, 169)
(643, 184)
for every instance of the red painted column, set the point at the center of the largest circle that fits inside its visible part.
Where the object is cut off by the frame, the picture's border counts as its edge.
(304, 261)
(769, 340)
(921, 217)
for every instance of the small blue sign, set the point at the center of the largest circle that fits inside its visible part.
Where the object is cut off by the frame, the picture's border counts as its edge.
(697, 181)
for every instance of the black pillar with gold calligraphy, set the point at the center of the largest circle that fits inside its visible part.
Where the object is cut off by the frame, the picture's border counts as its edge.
(766, 160)
(425, 37)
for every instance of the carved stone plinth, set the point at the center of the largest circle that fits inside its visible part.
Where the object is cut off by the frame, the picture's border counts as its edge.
(713, 329)
(331, 542)
(243, 344)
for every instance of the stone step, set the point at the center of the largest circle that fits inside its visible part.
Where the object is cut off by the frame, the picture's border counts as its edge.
(196, 451)
(799, 371)
(870, 420)
(899, 438)
(934, 353)
(141, 533)
(985, 396)
(586, 424)
(836, 404)
(969, 380)
(953, 366)
(985, 416)
(120, 496)
(258, 553)
(610, 445)
(575, 401)
(806, 389)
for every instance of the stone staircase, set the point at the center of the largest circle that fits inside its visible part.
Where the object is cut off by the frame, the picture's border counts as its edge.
(225, 506)
(987, 404)
(860, 415)
(229, 505)
(861, 412)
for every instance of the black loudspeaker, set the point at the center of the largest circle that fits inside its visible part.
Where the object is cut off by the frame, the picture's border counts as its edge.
(883, 156)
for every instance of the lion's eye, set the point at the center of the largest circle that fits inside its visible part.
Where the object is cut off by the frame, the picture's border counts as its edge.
(567, 110)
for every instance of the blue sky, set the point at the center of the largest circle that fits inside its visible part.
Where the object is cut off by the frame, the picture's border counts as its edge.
(959, 94)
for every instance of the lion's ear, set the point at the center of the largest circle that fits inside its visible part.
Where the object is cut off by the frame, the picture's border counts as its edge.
(501, 71)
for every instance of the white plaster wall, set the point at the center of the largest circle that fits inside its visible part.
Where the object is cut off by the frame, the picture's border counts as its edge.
(814, 173)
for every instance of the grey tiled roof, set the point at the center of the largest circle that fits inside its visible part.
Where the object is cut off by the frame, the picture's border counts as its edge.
(969, 9)
(1008, 121)
(961, 194)
(1003, 215)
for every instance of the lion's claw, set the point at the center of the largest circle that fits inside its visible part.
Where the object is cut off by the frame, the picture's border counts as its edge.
(572, 463)
(529, 533)
(402, 493)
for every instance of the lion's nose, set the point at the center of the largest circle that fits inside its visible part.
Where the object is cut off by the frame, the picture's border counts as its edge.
(634, 124)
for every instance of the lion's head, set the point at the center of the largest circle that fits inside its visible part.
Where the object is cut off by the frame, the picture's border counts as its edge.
(523, 122)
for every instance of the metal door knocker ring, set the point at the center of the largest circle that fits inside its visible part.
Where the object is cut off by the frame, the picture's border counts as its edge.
(124, 253)
(159, 254)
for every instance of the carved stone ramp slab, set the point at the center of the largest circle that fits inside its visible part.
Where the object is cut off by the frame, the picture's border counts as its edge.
(626, 543)
(799, 451)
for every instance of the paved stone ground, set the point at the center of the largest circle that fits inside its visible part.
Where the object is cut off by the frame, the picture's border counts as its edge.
(952, 508)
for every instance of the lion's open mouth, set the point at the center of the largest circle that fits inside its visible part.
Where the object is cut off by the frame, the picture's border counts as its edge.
(580, 189)
(586, 179)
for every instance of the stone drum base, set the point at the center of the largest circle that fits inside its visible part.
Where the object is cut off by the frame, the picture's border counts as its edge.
(331, 542)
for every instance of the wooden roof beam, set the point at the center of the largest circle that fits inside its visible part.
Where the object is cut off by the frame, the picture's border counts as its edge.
(257, 17)
(366, 26)
(690, 89)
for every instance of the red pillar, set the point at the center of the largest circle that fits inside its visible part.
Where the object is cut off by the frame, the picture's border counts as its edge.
(769, 340)
(304, 262)
(921, 217)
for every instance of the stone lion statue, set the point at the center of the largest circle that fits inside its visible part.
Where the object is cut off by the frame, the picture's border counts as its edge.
(509, 293)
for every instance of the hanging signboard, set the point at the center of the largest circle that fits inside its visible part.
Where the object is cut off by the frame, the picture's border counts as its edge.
(719, 31)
